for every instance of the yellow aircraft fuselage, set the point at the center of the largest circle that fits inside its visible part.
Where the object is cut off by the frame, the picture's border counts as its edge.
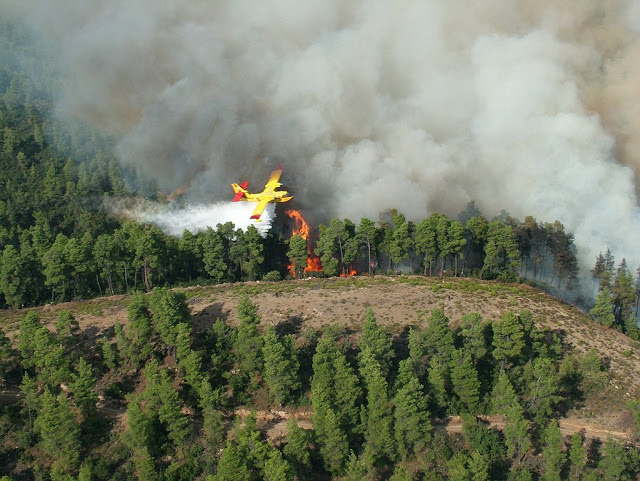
(269, 194)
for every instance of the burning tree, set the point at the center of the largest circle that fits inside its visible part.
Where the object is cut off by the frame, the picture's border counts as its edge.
(301, 253)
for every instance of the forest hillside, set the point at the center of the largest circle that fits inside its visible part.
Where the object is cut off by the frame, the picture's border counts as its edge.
(477, 353)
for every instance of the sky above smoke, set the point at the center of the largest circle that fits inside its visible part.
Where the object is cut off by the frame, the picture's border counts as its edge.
(531, 106)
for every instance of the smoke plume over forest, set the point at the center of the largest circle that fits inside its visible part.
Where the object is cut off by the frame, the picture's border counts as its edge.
(532, 106)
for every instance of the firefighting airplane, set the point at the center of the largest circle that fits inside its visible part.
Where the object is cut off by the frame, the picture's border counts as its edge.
(269, 194)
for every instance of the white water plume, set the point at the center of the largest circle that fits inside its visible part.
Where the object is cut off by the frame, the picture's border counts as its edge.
(174, 220)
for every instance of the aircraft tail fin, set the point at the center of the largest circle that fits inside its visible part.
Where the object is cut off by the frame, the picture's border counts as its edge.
(240, 190)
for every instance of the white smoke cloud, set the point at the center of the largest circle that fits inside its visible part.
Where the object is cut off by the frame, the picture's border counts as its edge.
(531, 106)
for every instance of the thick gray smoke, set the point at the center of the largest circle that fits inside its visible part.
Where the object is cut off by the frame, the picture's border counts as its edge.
(532, 106)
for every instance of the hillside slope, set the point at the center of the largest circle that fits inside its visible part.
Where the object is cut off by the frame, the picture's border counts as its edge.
(398, 302)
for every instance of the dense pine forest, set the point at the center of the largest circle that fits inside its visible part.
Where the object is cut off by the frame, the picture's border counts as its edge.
(377, 401)
(192, 400)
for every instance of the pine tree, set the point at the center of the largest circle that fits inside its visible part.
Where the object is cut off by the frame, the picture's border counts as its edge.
(602, 311)
(379, 441)
(503, 395)
(29, 325)
(251, 443)
(577, 457)
(140, 328)
(542, 389)
(366, 234)
(296, 450)
(478, 466)
(508, 340)
(412, 427)
(554, 456)
(614, 462)
(31, 400)
(417, 351)
(400, 239)
(400, 473)
(168, 309)
(276, 468)
(438, 376)
(59, 431)
(248, 342)
(438, 336)
(298, 254)
(516, 433)
(347, 393)
(623, 296)
(6, 356)
(376, 339)
(280, 366)
(109, 354)
(356, 469)
(67, 329)
(473, 335)
(83, 388)
(465, 380)
(232, 466)
(334, 446)
(426, 242)
(213, 254)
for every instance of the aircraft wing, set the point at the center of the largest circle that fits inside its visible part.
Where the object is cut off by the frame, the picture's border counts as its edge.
(257, 212)
(272, 184)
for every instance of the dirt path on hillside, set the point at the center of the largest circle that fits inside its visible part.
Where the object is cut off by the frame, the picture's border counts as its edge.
(274, 422)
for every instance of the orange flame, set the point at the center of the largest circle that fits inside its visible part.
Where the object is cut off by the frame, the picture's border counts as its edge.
(352, 272)
(302, 228)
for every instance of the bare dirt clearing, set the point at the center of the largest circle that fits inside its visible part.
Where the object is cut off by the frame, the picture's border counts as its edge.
(398, 302)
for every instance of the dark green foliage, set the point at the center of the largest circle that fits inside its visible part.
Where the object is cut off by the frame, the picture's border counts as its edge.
(334, 444)
(602, 312)
(554, 456)
(168, 309)
(59, 431)
(276, 468)
(7, 358)
(280, 366)
(593, 377)
(377, 419)
(577, 457)
(109, 355)
(464, 378)
(375, 339)
(412, 426)
(508, 340)
(401, 473)
(140, 327)
(297, 254)
(247, 345)
(503, 395)
(296, 451)
(334, 388)
(615, 462)
(484, 441)
(516, 433)
(473, 335)
(356, 469)
(67, 329)
(232, 465)
(438, 336)
(83, 388)
(543, 385)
